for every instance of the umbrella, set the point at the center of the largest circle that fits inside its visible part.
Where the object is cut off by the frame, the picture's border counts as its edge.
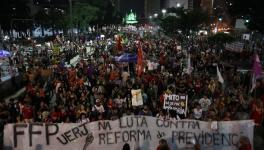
(126, 57)
(4, 54)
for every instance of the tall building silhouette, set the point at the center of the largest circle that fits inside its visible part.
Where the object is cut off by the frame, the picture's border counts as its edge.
(207, 5)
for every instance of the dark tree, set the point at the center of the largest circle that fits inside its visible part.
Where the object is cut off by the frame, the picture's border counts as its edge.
(12, 13)
(179, 19)
(250, 10)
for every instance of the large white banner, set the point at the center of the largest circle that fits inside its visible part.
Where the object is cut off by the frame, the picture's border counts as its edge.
(141, 132)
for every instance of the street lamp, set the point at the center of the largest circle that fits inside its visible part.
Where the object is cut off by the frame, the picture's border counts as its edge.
(247, 21)
(150, 17)
(155, 15)
(220, 19)
(178, 5)
(163, 12)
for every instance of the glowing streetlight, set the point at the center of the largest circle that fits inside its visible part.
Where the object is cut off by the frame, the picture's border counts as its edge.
(220, 19)
(164, 11)
(178, 5)
(150, 17)
(247, 21)
(155, 15)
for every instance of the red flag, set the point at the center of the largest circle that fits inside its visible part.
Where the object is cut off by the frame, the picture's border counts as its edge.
(118, 43)
(139, 61)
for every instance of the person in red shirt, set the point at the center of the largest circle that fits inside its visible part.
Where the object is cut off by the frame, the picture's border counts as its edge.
(244, 143)
(257, 112)
(56, 115)
(27, 113)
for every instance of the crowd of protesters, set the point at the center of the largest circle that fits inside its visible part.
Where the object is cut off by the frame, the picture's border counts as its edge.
(99, 87)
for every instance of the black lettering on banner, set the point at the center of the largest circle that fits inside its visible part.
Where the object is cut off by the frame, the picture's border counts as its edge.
(121, 124)
(189, 137)
(208, 138)
(197, 137)
(133, 135)
(193, 125)
(49, 133)
(117, 136)
(16, 133)
(159, 122)
(65, 140)
(148, 136)
(166, 123)
(203, 137)
(101, 138)
(141, 133)
(68, 135)
(216, 138)
(174, 136)
(76, 132)
(183, 124)
(104, 125)
(225, 138)
(31, 132)
(108, 138)
(144, 122)
(129, 123)
(125, 136)
(85, 129)
(181, 136)
(160, 134)
(175, 124)
(196, 125)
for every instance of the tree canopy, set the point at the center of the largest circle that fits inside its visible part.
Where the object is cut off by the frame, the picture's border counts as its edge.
(220, 39)
(184, 21)
(15, 9)
(55, 14)
(250, 10)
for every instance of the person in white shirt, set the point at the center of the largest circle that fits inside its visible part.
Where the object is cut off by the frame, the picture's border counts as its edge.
(125, 75)
(205, 102)
(98, 107)
(83, 119)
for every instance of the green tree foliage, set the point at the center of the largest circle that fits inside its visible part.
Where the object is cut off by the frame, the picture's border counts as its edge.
(84, 14)
(220, 39)
(15, 9)
(51, 18)
(170, 25)
(251, 10)
(185, 21)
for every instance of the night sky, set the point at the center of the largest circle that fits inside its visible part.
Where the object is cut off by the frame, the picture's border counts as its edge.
(136, 5)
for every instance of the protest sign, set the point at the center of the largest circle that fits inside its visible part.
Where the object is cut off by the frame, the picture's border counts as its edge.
(176, 102)
(137, 99)
(141, 132)
(152, 65)
(179, 47)
(235, 47)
